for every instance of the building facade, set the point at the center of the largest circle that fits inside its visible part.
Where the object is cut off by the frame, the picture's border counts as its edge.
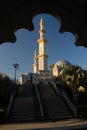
(40, 65)
(59, 66)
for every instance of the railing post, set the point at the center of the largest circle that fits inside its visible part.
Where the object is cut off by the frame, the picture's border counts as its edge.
(38, 96)
(69, 103)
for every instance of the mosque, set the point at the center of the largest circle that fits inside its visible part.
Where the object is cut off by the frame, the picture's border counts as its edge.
(40, 66)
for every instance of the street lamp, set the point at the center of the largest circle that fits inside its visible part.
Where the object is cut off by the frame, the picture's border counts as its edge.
(16, 65)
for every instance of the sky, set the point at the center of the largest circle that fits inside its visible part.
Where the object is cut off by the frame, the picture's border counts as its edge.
(60, 46)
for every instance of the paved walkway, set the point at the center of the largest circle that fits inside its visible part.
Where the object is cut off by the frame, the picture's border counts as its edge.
(70, 124)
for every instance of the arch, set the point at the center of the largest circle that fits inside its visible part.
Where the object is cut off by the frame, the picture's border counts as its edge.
(19, 14)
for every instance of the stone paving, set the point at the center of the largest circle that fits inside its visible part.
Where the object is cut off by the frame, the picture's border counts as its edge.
(69, 124)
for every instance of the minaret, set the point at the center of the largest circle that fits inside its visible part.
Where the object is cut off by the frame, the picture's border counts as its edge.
(42, 57)
(35, 65)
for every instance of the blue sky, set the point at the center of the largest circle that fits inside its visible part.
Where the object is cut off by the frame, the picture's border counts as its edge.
(60, 46)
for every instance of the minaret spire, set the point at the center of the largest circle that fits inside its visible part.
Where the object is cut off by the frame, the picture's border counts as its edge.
(42, 57)
(35, 65)
(42, 30)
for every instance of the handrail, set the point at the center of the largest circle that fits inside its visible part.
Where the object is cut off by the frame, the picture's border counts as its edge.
(66, 99)
(72, 107)
(56, 89)
(10, 103)
(38, 96)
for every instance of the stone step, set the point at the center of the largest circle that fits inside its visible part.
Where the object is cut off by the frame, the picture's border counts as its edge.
(56, 108)
(26, 109)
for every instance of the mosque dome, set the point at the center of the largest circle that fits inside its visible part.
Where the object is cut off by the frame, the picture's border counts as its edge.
(63, 63)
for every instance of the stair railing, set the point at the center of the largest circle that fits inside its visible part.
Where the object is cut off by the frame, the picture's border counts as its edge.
(38, 96)
(70, 104)
(10, 102)
(56, 89)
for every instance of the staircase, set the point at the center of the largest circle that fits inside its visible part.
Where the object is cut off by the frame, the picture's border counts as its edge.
(37, 112)
(23, 110)
(26, 105)
(56, 108)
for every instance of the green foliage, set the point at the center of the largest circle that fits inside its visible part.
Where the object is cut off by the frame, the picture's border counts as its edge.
(75, 77)
(6, 87)
(82, 111)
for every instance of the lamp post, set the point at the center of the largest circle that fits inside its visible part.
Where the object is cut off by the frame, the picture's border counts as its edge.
(16, 65)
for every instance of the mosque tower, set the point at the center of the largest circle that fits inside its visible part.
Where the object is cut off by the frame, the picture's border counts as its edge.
(42, 56)
(35, 65)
